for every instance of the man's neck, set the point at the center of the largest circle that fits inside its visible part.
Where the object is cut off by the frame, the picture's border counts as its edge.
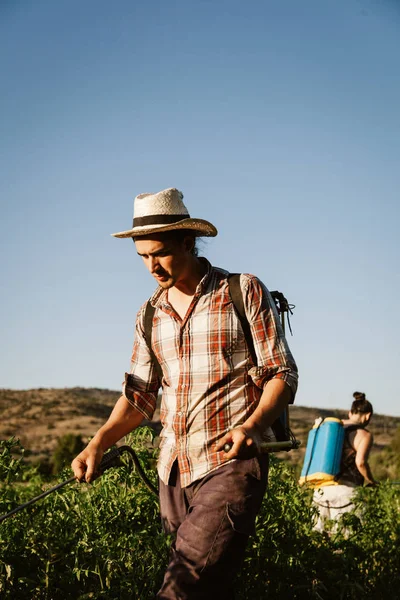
(188, 285)
(180, 296)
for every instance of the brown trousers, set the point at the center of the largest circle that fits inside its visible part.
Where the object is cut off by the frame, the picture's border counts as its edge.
(211, 521)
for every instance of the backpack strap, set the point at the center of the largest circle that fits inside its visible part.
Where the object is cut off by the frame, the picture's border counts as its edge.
(237, 299)
(148, 329)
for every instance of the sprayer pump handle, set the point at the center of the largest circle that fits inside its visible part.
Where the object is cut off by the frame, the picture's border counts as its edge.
(111, 459)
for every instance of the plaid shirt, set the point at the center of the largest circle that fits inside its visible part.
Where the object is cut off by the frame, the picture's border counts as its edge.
(209, 383)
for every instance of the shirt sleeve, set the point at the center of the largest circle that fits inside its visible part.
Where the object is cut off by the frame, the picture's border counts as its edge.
(274, 359)
(141, 384)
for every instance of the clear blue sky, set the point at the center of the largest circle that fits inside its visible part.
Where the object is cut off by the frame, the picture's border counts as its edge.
(279, 121)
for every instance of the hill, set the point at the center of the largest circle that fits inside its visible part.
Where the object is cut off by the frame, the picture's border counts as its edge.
(39, 417)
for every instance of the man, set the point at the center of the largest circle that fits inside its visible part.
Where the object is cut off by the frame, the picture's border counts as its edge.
(334, 500)
(212, 395)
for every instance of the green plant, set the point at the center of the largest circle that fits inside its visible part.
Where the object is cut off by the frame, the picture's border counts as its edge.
(386, 464)
(288, 559)
(68, 446)
(10, 466)
(104, 541)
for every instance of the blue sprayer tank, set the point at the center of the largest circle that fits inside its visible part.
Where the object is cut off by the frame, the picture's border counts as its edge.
(323, 452)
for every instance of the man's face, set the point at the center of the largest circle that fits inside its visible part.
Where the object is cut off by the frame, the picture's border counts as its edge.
(166, 258)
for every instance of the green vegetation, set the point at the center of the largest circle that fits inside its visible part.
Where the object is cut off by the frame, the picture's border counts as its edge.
(68, 446)
(105, 541)
(386, 464)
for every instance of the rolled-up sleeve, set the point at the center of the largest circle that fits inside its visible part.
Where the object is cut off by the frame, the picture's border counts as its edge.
(141, 384)
(274, 358)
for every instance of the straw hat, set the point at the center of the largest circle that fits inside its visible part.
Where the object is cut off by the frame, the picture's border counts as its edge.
(164, 211)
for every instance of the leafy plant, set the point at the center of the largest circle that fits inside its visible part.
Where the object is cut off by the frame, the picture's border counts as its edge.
(386, 464)
(68, 446)
(9, 465)
(104, 541)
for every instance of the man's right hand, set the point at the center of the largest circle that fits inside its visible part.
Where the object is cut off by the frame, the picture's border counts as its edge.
(123, 419)
(85, 465)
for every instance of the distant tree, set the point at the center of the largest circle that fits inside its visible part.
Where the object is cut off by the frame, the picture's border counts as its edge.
(68, 446)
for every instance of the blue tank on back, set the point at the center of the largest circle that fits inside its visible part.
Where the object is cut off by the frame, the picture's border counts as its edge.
(323, 452)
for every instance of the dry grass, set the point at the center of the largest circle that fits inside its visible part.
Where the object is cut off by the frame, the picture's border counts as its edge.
(38, 417)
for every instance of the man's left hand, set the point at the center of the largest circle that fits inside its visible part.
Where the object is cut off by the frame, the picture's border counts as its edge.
(243, 442)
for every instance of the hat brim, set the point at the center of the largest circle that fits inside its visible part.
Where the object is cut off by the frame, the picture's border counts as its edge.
(199, 226)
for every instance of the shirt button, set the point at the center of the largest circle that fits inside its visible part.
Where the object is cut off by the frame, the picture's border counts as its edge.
(180, 413)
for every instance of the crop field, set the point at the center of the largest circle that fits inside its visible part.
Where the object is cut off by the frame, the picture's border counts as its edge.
(105, 541)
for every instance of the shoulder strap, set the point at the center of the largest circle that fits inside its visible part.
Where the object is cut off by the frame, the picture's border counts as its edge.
(148, 328)
(237, 299)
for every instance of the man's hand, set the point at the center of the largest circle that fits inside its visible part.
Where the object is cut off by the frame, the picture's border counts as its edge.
(123, 419)
(86, 463)
(244, 441)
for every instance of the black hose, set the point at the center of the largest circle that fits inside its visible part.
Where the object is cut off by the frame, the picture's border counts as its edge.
(139, 469)
(53, 489)
(110, 459)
